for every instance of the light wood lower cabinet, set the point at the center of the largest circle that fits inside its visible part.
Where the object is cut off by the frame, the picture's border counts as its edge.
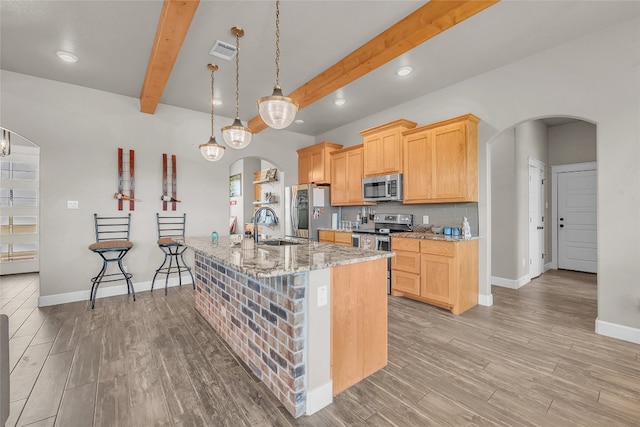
(335, 237)
(358, 322)
(441, 273)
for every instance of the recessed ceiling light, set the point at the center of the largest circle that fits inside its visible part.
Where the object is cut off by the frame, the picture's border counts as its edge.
(339, 101)
(217, 101)
(298, 121)
(66, 56)
(404, 71)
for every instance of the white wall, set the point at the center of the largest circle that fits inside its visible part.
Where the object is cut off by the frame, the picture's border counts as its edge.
(503, 216)
(567, 80)
(79, 130)
(572, 143)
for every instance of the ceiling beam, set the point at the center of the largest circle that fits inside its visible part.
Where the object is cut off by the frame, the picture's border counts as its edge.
(175, 19)
(424, 23)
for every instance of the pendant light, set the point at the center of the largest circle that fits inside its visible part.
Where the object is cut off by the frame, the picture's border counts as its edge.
(212, 151)
(237, 136)
(277, 111)
(5, 143)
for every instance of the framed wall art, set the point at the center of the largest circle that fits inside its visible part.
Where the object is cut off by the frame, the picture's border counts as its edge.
(235, 185)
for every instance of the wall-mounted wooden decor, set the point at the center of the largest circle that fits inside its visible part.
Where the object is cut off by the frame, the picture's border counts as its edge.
(126, 169)
(166, 197)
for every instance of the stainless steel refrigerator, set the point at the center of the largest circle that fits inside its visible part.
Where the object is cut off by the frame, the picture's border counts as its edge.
(307, 207)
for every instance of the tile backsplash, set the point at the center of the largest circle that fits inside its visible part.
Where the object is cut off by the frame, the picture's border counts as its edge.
(445, 214)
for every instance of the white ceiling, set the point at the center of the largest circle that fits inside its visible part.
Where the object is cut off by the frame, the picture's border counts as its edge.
(113, 40)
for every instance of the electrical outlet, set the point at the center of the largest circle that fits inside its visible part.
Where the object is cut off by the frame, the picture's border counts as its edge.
(322, 296)
(72, 204)
(425, 219)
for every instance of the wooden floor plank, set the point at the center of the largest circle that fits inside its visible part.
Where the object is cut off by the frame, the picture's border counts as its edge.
(78, 406)
(45, 398)
(26, 372)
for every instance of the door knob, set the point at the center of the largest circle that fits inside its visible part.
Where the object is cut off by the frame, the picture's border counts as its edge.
(561, 225)
(561, 219)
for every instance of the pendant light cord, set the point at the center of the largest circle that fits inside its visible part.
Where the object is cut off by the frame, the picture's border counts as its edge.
(278, 43)
(237, 75)
(212, 103)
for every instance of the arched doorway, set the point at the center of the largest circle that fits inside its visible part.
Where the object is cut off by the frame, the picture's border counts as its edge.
(549, 143)
(255, 182)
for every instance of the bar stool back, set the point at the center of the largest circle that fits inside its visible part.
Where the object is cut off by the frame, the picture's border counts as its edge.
(170, 236)
(112, 244)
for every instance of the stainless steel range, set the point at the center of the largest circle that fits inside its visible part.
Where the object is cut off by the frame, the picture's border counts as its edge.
(380, 237)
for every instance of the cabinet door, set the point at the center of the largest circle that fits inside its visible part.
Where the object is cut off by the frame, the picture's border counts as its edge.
(404, 282)
(325, 236)
(342, 238)
(436, 277)
(339, 179)
(316, 164)
(383, 153)
(304, 167)
(449, 163)
(418, 170)
(354, 172)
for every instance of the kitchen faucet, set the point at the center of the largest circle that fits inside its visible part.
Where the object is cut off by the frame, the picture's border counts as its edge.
(255, 220)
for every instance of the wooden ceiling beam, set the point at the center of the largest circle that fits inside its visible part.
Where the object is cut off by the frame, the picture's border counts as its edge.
(175, 19)
(424, 23)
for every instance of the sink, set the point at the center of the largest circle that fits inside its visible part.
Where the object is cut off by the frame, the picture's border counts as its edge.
(279, 242)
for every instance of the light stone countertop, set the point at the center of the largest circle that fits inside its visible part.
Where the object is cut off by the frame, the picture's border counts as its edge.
(432, 236)
(271, 261)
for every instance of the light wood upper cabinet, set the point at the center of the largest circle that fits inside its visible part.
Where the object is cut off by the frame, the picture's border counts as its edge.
(346, 176)
(313, 163)
(383, 147)
(441, 162)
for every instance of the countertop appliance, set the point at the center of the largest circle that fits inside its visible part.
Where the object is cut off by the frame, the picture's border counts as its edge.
(306, 208)
(379, 238)
(383, 188)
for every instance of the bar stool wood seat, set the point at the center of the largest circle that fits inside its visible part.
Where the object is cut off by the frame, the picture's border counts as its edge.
(170, 233)
(112, 244)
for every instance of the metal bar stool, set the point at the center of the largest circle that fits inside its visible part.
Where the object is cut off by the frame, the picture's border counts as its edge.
(112, 244)
(170, 233)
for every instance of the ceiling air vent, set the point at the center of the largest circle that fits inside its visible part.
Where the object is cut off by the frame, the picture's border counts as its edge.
(223, 50)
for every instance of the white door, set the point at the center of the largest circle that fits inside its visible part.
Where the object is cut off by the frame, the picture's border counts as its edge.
(577, 203)
(536, 221)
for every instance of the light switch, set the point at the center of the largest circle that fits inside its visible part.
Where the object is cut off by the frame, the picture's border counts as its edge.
(322, 296)
(72, 204)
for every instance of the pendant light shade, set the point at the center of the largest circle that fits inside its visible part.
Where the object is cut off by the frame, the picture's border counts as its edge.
(277, 111)
(212, 151)
(236, 135)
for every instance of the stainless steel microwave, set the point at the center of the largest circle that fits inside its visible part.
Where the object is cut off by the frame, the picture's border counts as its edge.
(383, 188)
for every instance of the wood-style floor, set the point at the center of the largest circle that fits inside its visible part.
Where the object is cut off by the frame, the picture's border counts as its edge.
(531, 359)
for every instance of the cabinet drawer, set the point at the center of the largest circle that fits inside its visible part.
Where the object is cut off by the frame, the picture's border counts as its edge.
(404, 244)
(405, 282)
(325, 236)
(342, 238)
(406, 261)
(435, 247)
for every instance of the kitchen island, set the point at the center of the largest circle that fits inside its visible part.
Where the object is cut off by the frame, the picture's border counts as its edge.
(309, 319)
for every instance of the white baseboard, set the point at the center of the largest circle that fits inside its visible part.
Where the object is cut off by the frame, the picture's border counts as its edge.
(486, 300)
(620, 332)
(548, 266)
(319, 397)
(510, 283)
(107, 291)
